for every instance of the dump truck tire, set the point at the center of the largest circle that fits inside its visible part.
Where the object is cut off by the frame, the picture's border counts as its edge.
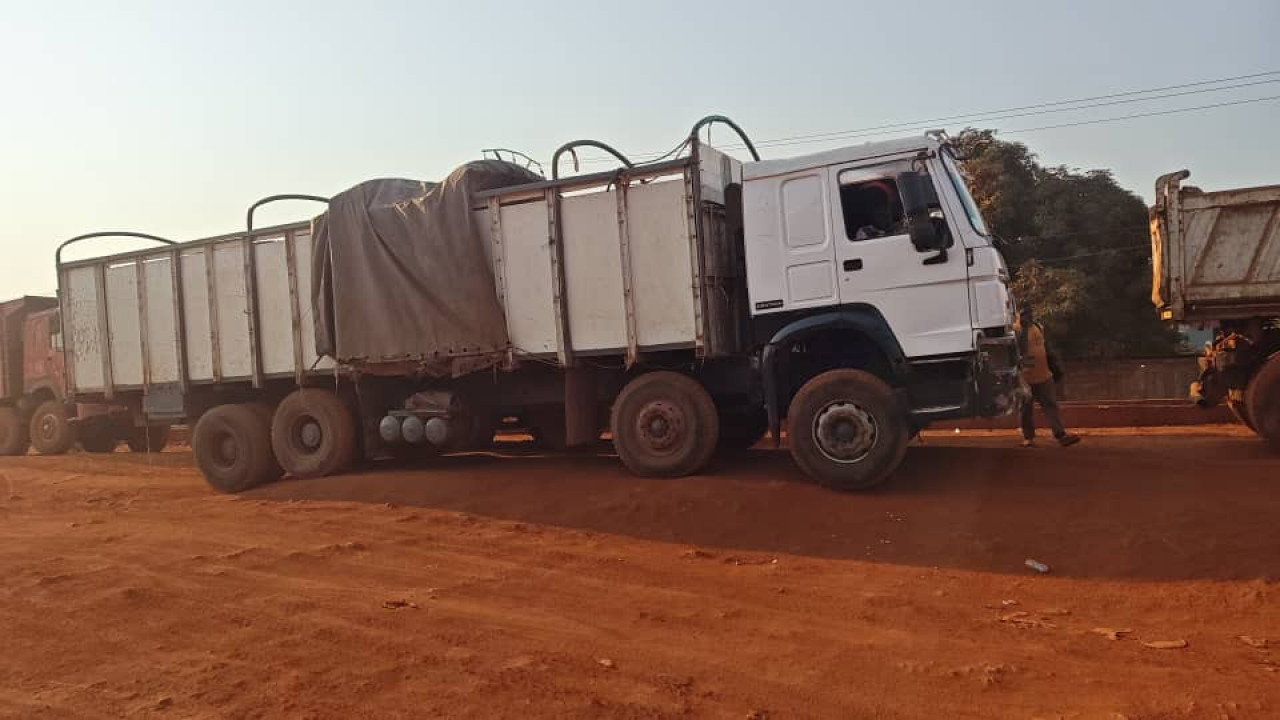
(13, 432)
(846, 430)
(664, 425)
(313, 434)
(1263, 401)
(232, 445)
(151, 438)
(51, 431)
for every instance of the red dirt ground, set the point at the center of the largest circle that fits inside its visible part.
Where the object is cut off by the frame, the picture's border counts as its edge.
(526, 586)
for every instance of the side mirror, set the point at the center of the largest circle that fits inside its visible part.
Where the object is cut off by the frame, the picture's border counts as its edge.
(918, 194)
(925, 235)
(919, 198)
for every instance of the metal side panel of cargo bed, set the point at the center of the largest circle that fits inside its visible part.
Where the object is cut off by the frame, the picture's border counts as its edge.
(180, 315)
(617, 263)
(1216, 255)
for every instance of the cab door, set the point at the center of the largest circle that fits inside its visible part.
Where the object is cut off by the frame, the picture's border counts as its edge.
(924, 296)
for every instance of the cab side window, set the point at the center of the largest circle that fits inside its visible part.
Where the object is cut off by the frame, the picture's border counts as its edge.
(872, 209)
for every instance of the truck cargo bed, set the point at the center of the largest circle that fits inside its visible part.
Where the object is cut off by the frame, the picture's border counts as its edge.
(619, 263)
(1216, 255)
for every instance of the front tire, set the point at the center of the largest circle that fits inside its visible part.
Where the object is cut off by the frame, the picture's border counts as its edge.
(846, 430)
(232, 445)
(664, 425)
(313, 434)
(51, 431)
(13, 432)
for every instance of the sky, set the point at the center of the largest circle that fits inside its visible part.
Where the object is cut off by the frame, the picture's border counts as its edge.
(172, 117)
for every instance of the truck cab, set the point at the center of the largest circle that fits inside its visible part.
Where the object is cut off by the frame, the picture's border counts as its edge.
(32, 383)
(878, 255)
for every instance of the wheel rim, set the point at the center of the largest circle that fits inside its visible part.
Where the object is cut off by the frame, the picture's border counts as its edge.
(308, 436)
(845, 432)
(661, 426)
(48, 426)
(226, 451)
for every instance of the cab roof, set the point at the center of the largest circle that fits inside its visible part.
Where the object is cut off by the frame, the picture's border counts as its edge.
(852, 153)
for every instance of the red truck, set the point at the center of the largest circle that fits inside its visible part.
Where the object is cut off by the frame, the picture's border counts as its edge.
(34, 411)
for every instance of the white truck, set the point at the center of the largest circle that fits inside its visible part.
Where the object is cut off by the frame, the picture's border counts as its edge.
(851, 296)
(1216, 261)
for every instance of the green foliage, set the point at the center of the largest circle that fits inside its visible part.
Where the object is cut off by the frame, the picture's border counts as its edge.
(1077, 246)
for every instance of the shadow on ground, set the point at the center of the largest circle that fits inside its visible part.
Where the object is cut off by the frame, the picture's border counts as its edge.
(1132, 507)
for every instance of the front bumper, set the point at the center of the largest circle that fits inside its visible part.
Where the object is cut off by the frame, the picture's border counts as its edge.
(998, 386)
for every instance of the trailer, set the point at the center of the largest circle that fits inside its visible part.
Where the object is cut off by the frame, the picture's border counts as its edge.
(683, 306)
(1216, 261)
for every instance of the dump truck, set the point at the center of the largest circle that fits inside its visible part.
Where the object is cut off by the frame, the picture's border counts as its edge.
(683, 306)
(34, 408)
(1216, 262)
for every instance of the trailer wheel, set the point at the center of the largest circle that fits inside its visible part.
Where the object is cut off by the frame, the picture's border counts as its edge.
(846, 430)
(664, 425)
(743, 428)
(313, 434)
(1263, 400)
(98, 434)
(13, 432)
(149, 438)
(51, 431)
(232, 445)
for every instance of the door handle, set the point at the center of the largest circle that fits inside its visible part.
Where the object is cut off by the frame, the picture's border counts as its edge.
(854, 264)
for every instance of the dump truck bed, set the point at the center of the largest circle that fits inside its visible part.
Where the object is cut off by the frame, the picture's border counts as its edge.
(1215, 255)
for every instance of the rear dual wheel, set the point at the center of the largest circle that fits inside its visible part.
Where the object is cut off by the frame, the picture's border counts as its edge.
(232, 445)
(314, 434)
(664, 425)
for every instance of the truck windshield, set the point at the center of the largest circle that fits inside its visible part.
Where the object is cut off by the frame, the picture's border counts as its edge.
(962, 190)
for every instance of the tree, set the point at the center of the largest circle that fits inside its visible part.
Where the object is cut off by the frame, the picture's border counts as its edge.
(1077, 245)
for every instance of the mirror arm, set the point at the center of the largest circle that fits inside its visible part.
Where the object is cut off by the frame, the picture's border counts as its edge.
(938, 259)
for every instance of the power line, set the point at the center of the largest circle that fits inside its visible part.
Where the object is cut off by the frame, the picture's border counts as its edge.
(1146, 114)
(1009, 115)
(1036, 109)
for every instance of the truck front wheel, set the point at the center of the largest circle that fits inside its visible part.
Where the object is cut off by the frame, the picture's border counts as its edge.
(232, 445)
(664, 425)
(13, 432)
(51, 432)
(846, 430)
(1263, 400)
(313, 434)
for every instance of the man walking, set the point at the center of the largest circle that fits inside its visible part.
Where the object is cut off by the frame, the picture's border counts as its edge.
(1040, 371)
